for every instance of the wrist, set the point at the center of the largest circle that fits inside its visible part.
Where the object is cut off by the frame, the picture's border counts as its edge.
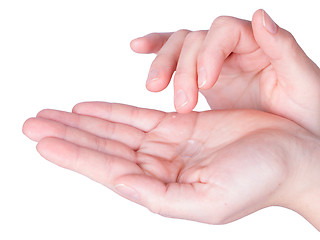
(308, 206)
(305, 199)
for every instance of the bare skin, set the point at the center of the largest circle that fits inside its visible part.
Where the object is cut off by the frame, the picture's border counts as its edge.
(237, 64)
(213, 167)
(216, 166)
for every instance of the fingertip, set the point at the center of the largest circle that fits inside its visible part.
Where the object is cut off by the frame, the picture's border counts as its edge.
(43, 113)
(184, 110)
(135, 45)
(44, 148)
(184, 103)
(157, 82)
(43, 145)
(79, 106)
(75, 108)
(36, 128)
(257, 14)
(142, 45)
(207, 85)
(276, 43)
(155, 86)
(263, 23)
(209, 68)
(153, 79)
(26, 127)
(39, 145)
(205, 81)
(58, 151)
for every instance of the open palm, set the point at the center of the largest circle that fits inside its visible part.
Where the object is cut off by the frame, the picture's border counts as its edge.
(212, 167)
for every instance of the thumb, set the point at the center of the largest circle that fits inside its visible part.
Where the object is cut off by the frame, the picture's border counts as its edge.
(286, 56)
(297, 75)
(177, 200)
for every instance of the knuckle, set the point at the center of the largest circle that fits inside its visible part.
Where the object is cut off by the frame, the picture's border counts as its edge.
(181, 74)
(164, 62)
(290, 42)
(110, 129)
(75, 162)
(182, 32)
(154, 208)
(230, 23)
(134, 114)
(194, 36)
(101, 144)
(153, 34)
(223, 20)
(159, 210)
(160, 58)
(204, 56)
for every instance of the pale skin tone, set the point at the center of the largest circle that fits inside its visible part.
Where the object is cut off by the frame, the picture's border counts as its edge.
(205, 166)
(237, 64)
(215, 166)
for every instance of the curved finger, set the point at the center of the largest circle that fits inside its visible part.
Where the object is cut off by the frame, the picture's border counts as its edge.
(98, 166)
(227, 35)
(128, 135)
(140, 118)
(38, 128)
(150, 43)
(164, 65)
(185, 79)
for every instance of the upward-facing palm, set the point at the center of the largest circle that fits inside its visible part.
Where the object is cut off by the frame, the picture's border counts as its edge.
(211, 167)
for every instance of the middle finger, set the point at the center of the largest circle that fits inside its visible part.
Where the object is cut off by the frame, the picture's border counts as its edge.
(185, 80)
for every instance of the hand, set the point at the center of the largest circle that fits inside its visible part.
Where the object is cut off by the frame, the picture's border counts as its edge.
(237, 64)
(212, 167)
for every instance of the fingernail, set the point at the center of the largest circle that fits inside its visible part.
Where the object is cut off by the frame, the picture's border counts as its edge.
(127, 192)
(202, 77)
(268, 23)
(181, 99)
(153, 75)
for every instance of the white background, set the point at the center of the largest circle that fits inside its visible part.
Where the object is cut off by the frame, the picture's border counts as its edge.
(54, 54)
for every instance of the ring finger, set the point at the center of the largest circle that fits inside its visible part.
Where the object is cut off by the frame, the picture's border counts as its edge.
(164, 65)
